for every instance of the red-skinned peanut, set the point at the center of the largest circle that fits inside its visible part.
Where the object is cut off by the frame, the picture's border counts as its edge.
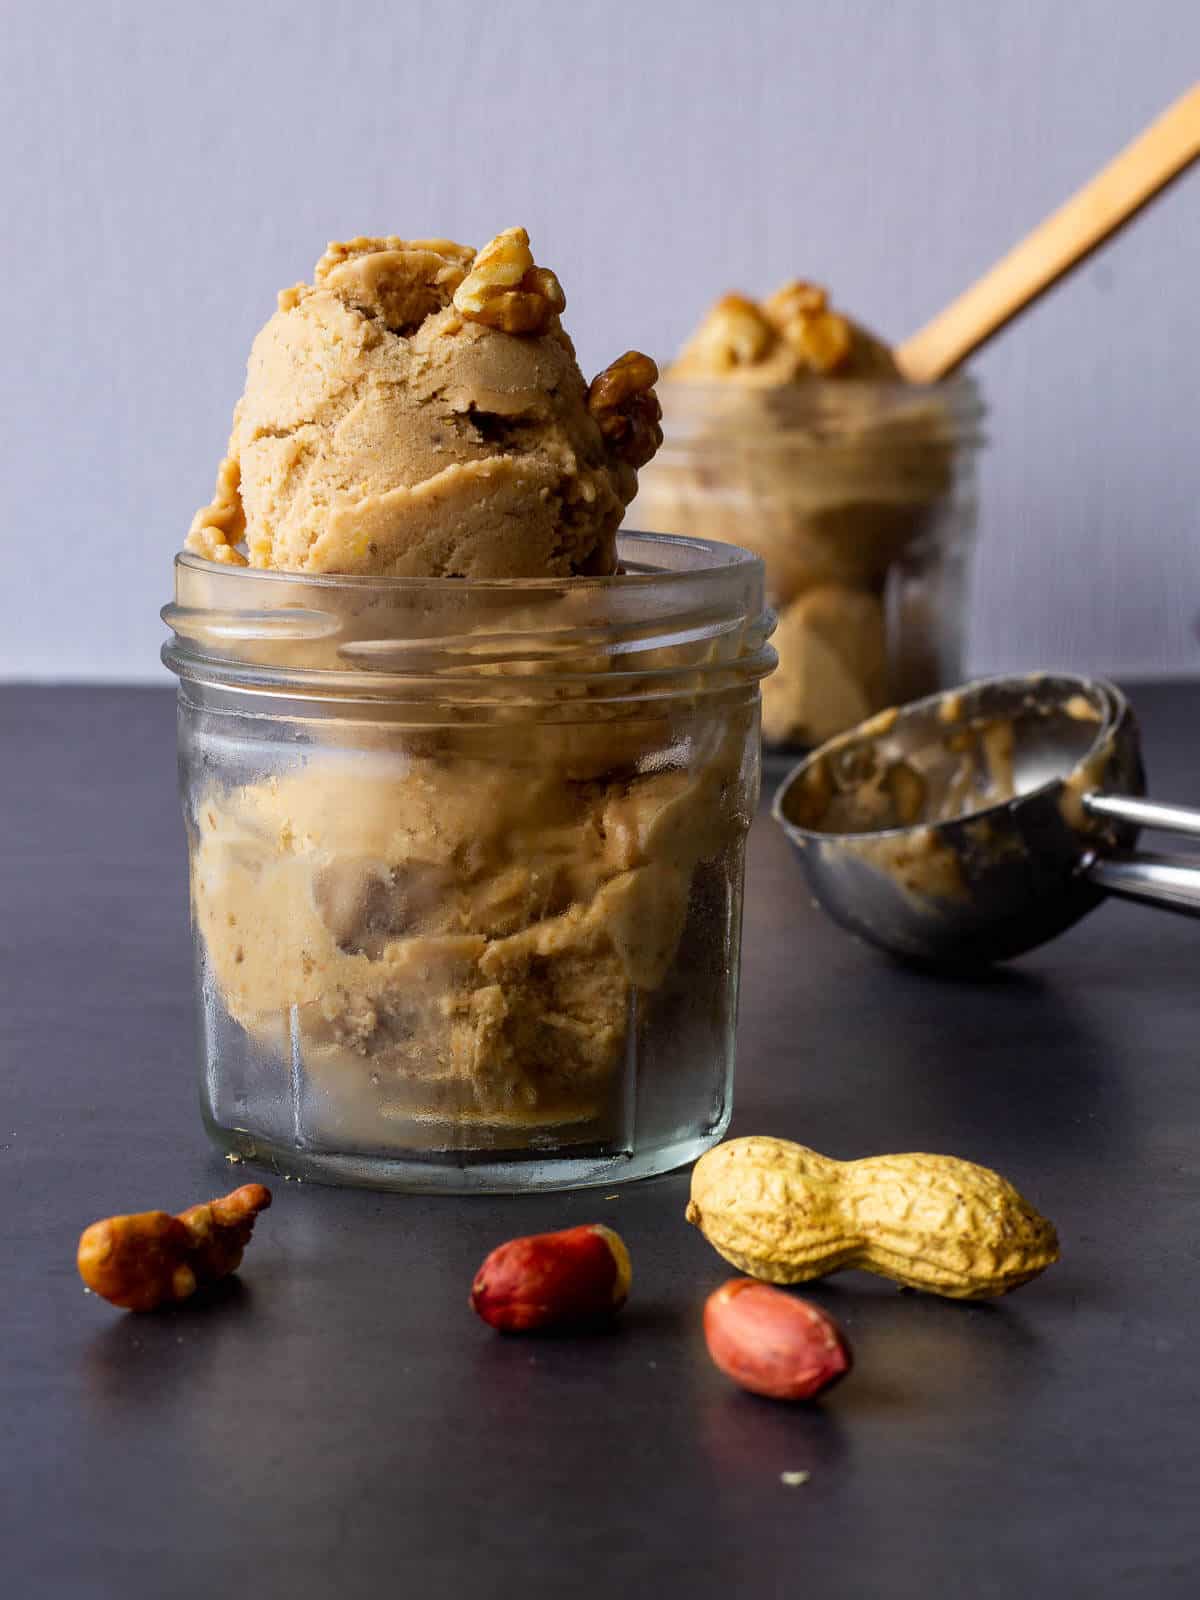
(773, 1343)
(553, 1280)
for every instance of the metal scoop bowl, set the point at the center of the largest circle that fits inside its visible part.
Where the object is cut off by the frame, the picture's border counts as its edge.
(974, 825)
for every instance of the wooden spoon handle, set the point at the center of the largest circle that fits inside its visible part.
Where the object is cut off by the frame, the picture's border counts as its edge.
(1113, 196)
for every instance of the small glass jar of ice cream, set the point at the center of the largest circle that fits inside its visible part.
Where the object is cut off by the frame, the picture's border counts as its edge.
(790, 431)
(466, 779)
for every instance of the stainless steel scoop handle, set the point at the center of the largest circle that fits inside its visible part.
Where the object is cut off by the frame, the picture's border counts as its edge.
(1144, 813)
(1172, 882)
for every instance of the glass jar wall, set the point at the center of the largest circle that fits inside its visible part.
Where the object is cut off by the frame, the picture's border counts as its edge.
(860, 497)
(466, 864)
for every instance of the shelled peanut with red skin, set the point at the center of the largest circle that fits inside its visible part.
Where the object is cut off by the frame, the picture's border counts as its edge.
(773, 1343)
(572, 1278)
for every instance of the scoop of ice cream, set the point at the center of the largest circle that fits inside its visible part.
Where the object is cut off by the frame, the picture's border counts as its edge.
(418, 411)
(805, 444)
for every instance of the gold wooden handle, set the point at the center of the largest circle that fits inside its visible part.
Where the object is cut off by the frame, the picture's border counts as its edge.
(1112, 197)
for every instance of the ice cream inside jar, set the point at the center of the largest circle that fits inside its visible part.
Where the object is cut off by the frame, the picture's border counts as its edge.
(790, 431)
(466, 779)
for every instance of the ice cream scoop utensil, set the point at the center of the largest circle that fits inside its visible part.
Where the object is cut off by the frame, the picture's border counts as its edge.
(1115, 195)
(971, 826)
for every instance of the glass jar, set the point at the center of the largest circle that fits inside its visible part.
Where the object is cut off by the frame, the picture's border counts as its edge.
(466, 864)
(859, 495)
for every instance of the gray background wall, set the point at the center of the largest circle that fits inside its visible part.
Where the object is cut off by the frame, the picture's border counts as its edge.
(166, 167)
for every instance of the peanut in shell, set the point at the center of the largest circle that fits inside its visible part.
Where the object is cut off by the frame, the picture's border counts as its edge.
(785, 1214)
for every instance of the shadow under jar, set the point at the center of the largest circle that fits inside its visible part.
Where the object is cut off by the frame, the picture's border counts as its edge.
(859, 495)
(466, 864)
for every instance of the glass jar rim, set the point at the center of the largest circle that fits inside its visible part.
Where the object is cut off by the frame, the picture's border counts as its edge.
(684, 616)
(714, 557)
(820, 412)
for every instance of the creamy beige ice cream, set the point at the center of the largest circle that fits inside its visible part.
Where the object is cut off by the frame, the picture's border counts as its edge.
(460, 940)
(459, 926)
(418, 411)
(832, 665)
(795, 437)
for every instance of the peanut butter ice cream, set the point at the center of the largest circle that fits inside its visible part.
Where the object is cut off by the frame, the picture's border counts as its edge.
(457, 912)
(791, 432)
(459, 940)
(832, 665)
(417, 411)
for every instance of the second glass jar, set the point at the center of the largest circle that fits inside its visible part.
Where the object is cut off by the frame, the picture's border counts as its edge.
(860, 498)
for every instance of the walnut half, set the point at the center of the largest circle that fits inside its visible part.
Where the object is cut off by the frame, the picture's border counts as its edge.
(505, 290)
(822, 338)
(735, 333)
(626, 408)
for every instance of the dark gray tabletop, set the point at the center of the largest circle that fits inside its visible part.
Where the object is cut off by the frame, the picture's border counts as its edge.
(338, 1423)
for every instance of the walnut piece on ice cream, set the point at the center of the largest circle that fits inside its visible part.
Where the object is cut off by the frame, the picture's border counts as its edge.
(735, 333)
(823, 339)
(505, 290)
(626, 408)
